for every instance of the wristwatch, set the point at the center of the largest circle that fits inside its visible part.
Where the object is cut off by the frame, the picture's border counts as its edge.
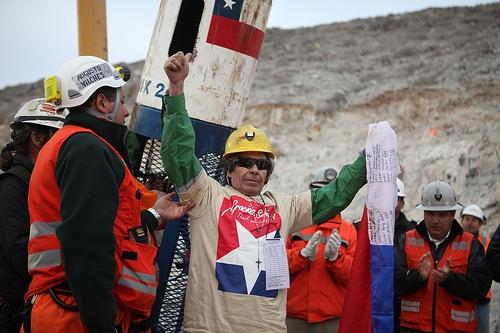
(155, 214)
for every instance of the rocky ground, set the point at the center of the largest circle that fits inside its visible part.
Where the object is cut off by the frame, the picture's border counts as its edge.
(434, 75)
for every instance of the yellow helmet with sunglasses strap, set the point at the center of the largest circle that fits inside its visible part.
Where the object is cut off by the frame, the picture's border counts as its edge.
(245, 139)
(77, 79)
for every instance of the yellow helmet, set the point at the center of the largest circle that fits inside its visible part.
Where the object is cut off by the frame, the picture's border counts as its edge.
(248, 138)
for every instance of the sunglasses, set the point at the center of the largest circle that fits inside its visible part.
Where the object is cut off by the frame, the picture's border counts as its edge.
(247, 162)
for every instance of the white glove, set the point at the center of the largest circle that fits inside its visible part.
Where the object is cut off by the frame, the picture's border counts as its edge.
(332, 246)
(311, 248)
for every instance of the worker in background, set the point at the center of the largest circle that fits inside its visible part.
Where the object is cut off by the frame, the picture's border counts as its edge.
(473, 220)
(319, 259)
(92, 250)
(440, 270)
(232, 226)
(493, 255)
(401, 226)
(32, 127)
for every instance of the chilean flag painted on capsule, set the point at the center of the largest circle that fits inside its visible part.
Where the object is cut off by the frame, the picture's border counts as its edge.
(243, 228)
(227, 29)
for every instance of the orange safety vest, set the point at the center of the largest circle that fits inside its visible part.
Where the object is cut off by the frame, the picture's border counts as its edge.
(317, 289)
(136, 276)
(148, 197)
(433, 305)
(486, 242)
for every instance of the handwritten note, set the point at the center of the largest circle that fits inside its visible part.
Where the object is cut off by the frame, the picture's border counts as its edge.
(276, 264)
(382, 168)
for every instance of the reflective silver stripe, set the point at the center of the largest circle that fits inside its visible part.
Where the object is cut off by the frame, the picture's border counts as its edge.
(137, 286)
(44, 259)
(38, 229)
(139, 276)
(410, 306)
(459, 245)
(463, 316)
(323, 240)
(416, 241)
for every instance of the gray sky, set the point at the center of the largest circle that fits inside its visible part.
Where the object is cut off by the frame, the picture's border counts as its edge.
(38, 36)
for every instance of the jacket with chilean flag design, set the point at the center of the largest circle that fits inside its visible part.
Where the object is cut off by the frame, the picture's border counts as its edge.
(226, 286)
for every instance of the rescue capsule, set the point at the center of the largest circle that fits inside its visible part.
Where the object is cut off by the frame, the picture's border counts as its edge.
(226, 36)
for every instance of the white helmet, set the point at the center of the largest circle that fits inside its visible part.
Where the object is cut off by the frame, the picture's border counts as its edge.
(439, 196)
(39, 112)
(474, 210)
(401, 188)
(77, 79)
(323, 176)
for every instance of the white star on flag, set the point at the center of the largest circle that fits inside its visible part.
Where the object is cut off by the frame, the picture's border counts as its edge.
(246, 255)
(229, 3)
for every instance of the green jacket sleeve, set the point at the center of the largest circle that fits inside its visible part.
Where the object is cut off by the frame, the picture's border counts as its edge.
(178, 142)
(331, 199)
(135, 146)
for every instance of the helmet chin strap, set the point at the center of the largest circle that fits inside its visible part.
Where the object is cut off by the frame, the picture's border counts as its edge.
(108, 116)
(112, 116)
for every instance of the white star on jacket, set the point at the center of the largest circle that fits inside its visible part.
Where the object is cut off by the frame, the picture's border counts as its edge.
(229, 3)
(246, 255)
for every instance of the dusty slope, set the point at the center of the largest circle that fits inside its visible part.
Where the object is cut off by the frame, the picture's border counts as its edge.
(433, 75)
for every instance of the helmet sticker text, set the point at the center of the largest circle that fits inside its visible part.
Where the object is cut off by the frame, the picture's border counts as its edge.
(92, 75)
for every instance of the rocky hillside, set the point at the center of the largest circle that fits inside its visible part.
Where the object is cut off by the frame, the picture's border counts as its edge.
(434, 75)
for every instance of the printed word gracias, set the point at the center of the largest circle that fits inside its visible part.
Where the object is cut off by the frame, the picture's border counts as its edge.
(245, 211)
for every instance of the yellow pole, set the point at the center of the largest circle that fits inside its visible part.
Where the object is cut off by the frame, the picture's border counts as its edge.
(92, 38)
